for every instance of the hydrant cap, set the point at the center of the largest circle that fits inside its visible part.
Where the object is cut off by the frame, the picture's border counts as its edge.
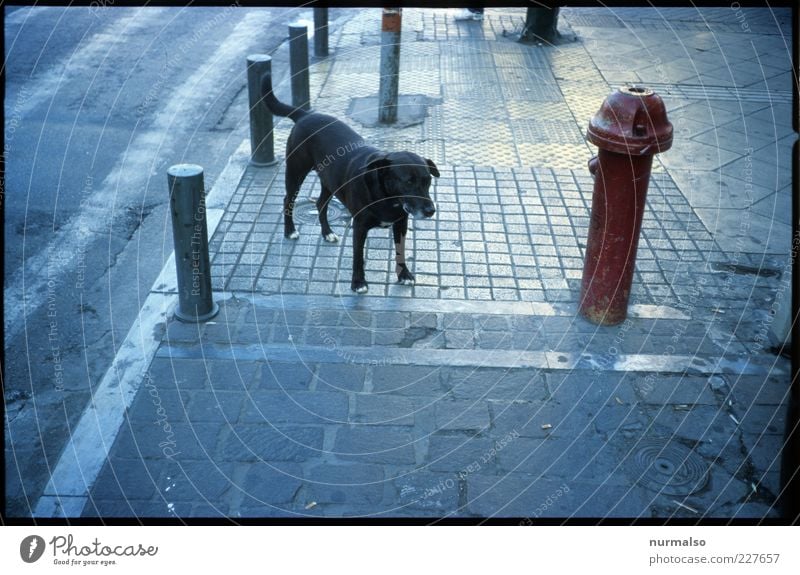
(632, 120)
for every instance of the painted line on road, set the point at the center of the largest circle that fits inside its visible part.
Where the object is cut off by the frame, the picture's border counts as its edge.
(476, 358)
(479, 307)
(86, 451)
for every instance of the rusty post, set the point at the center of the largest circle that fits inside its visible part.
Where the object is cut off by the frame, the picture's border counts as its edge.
(390, 65)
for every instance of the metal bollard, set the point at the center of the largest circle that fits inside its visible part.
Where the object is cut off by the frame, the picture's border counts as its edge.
(630, 127)
(390, 65)
(321, 32)
(187, 203)
(298, 66)
(262, 142)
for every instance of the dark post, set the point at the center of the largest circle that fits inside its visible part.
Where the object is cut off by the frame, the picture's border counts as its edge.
(390, 65)
(187, 203)
(262, 144)
(321, 32)
(298, 66)
(540, 24)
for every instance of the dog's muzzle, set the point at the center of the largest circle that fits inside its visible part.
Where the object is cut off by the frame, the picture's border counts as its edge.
(427, 211)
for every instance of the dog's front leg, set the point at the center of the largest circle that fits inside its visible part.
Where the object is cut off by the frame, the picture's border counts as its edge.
(359, 283)
(399, 230)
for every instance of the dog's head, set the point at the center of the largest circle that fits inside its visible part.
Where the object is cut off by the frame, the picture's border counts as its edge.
(406, 179)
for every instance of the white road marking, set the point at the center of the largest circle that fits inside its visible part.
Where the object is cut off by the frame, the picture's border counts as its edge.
(136, 170)
(91, 440)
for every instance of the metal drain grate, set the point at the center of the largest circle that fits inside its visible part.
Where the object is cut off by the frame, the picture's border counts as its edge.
(305, 211)
(669, 467)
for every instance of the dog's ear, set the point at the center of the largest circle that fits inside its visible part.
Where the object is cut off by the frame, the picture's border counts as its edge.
(432, 167)
(376, 163)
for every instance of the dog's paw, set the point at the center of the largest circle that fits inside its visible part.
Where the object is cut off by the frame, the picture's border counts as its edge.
(292, 236)
(331, 238)
(359, 287)
(404, 276)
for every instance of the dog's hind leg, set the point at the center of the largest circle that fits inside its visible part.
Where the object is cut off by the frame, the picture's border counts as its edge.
(322, 208)
(399, 231)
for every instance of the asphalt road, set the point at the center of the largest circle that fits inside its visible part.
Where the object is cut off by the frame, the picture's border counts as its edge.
(99, 103)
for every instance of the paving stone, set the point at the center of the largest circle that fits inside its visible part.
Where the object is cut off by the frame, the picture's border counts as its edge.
(178, 441)
(295, 407)
(266, 485)
(177, 374)
(746, 390)
(383, 409)
(350, 483)
(460, 455)
(459, 339)
(437, 492)
(667, 389)
(127, 479)
(582, 458)
(262, 442)
(215, 407)
(197, 481)
(494, 383)
(462, 415)
(340, 377)
(407, 380)
(764, 451)
(519, 495)
(597, 387)
(279, 376)
(152, 404)
(375, 444)
(135, 508)
(762, 419)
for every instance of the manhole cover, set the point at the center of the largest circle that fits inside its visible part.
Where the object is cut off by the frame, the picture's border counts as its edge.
(669, 467)
(305, 211)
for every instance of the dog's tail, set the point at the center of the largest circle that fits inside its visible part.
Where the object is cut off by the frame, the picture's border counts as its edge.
(276, 106)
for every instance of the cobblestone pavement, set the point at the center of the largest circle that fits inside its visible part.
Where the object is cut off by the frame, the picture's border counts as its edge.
(479, 392)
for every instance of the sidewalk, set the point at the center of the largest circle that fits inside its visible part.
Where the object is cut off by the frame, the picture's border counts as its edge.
(479, 392)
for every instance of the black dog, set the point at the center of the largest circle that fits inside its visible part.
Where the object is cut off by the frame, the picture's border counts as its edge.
(378, 188)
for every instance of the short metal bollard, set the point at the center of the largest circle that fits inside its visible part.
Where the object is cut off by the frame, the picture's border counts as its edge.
(262, 141)
(321, 32)
(390, 65)
(298, 66)
(630, 127)
(187, 203)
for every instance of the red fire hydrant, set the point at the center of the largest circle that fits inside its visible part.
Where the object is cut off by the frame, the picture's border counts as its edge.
(630, 127)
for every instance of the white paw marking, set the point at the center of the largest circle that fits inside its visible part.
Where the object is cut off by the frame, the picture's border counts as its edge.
(331, 238)
(362, 289)
(294, 236)
(408, 282)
